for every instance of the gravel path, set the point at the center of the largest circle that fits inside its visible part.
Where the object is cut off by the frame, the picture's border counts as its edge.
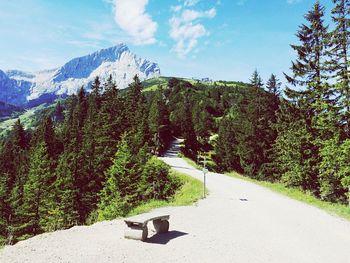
(238, 222)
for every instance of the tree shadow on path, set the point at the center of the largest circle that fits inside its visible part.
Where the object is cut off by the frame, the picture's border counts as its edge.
(164, 238)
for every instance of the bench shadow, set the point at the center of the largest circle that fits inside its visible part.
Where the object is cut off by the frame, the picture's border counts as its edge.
(164, 238)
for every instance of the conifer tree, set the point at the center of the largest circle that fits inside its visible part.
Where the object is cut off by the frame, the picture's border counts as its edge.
(36, 191)
(313, 103)
(58, 115)
(159, 124)
(114, 199)
(19, 165)
(96, 90)
(256, 80)
(339, 54)
(64, 213)
(273, 85)
(46, 134)
(156, 181)
(137, 115)
(226, 157)
(189, 134)
(110, 125)
(135, 102)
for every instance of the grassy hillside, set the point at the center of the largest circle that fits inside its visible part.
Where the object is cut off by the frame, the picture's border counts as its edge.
(29, 118)
(152, 84)
(190, 192)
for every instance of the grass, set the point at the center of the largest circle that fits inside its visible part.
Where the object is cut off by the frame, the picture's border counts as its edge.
(297, 194)
(190, 162)
(190, 192)
(28, 118)
(153, 83)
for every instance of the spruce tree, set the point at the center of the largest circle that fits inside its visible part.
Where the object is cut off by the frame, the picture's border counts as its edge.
(313, 101)
(137, 116)
(19, 170)
(64, 213)
(110, 125)
(226, 156)
(188, 132)
(339, 57)
(256, 80)
(120, 185)
(36, 192)
(273, 85)
(158, 121)
(58, 115)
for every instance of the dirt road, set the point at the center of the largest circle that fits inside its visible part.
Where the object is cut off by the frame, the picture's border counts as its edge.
(237, 222)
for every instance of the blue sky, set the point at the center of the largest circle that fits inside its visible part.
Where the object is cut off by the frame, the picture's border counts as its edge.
(220, 39)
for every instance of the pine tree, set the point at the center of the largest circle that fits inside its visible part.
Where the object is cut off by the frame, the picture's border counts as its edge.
(188, 132)
(295, 163)
(36, 192)
(256, 80)
(110, 125)
(18, 173)
(58, 115)
(273, 86)
(90, 180)
(159, 123)
(314, 103)
(46, 133)
(156, 181)
(120, 184)
(137, 116)
(339, 54)
(74, 127)
(96, 91)
(226, 157)
(202, 121)
(308, 70)
(64, 213)
(135, 102)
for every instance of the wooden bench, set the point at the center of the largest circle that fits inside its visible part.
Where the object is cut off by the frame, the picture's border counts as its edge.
(137, 225)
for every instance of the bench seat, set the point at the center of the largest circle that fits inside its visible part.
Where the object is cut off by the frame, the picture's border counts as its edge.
(137, 225)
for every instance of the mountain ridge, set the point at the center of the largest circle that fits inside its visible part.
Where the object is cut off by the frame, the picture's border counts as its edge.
(20, 88)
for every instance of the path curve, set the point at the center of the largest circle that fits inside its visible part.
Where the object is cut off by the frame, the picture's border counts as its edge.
(267, 227)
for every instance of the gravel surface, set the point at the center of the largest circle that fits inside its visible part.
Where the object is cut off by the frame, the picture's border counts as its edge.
(238, 222)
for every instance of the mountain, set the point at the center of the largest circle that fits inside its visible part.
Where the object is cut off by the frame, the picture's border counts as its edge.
(13, 91)
(33, 88)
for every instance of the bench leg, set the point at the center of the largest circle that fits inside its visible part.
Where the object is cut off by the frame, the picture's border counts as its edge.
(161, 226)
(136, 232)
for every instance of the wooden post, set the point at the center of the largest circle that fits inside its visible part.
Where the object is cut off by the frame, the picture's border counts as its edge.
(349, 194)
(204, 187)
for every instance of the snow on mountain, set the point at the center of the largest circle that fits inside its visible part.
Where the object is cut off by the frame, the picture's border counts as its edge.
(117, 61)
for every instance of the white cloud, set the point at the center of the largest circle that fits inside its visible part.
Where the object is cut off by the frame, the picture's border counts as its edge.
(190, 15)
(176, 8)
(186, 30)
(131, 17)
(190, 2)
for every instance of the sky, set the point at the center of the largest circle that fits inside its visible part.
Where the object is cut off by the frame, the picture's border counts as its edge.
(219, 39)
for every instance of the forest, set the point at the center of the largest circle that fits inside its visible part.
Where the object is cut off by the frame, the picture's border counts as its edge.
(92, 157)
